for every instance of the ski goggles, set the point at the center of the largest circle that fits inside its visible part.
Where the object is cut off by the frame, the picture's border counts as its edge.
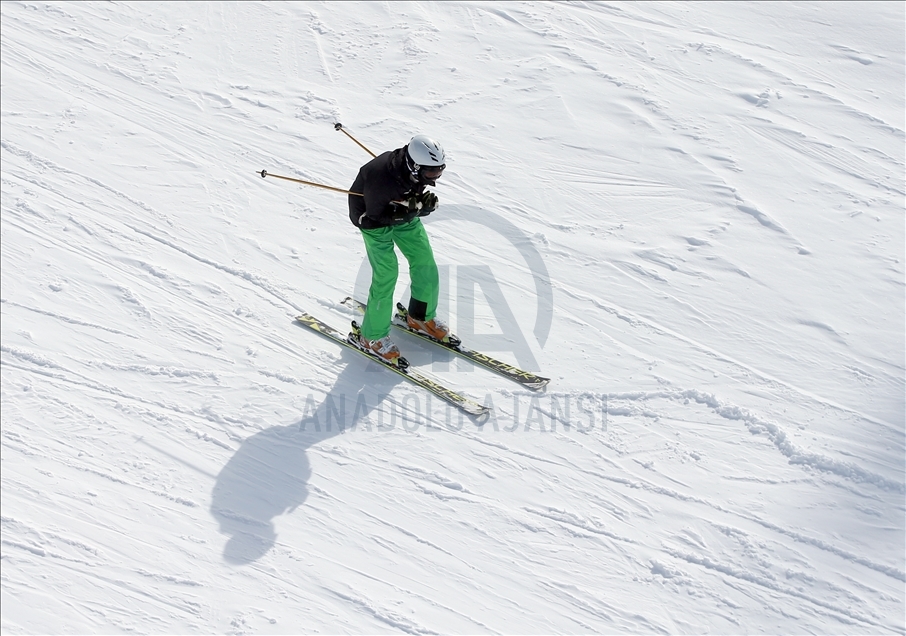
(432, 172)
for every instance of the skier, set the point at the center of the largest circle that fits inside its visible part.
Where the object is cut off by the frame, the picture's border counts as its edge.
(393, 185)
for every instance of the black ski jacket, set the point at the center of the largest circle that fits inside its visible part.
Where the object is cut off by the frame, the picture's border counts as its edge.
(382, 180)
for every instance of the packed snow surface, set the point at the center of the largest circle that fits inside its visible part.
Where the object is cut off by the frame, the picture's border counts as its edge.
(689, 216)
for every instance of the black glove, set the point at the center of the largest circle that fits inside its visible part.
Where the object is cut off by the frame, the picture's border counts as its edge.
(399, 212)
(428, 203)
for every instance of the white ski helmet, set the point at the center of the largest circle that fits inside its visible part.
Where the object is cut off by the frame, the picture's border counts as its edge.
(424, 151)
(425, 159)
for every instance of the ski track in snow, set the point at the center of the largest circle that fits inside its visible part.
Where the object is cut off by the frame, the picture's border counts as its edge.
(716, 195)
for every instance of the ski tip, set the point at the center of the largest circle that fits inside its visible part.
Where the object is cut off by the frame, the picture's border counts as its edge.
(540, 384)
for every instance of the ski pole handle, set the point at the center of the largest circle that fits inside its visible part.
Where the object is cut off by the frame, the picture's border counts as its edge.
(265, 173)
(339, 126)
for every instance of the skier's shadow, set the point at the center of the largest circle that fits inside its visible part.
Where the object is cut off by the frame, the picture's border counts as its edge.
(268, 475)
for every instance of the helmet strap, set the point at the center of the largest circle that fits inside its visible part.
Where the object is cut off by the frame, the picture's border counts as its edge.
(412, 168)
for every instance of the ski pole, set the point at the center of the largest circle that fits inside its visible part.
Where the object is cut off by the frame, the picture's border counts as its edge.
(339, 126)
(265, 173)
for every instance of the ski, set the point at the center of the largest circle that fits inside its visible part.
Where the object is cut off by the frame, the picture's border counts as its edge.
(526, 379)
(448, 395)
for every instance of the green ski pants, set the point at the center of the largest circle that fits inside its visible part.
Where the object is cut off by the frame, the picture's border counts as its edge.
(412, 239)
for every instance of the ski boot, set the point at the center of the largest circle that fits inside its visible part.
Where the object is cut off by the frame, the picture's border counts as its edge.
(383, 349)
(435, 328)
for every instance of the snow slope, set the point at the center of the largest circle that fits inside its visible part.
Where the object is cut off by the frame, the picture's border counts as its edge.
(690, 216)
